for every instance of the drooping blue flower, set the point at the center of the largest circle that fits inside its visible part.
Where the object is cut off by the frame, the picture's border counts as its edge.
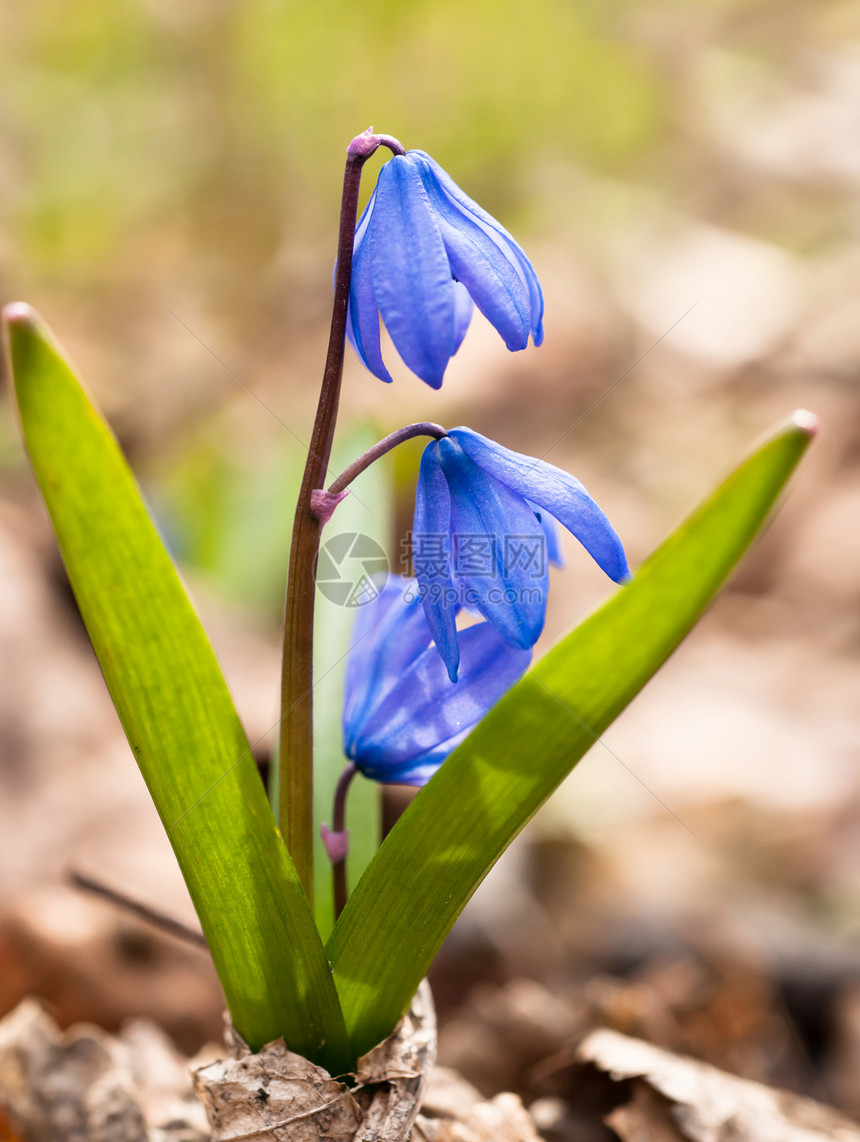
(482, 537)
(423, 253)
(402, 716)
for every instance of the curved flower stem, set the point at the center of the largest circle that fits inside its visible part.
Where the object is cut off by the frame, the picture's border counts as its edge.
(336, 839)
(296, 737)
(422, 428)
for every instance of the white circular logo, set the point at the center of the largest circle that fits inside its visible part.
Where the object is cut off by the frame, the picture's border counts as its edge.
(351, 569)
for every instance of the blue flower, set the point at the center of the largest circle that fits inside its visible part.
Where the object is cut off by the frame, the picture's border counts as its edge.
(424, 252)
(401, 715)
(482, 537)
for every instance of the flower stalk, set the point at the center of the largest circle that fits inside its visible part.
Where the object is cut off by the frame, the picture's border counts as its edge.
(386, 444)
(296, 733)
(336, 839)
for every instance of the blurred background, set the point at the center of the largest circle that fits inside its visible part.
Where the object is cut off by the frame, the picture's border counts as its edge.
(685, 179)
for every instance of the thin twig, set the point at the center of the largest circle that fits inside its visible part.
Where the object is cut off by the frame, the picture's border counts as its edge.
(145, 912)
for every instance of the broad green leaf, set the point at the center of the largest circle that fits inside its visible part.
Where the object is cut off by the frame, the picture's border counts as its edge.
(366, 511)
(177, 713)
(460, 823)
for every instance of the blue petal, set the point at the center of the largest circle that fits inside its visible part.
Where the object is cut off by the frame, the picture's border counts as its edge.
(464, 307)
(499, 548)
(425, 710)
(418, 770)
(362, 322)
(515, 253)
(411, 275)
(431, 531)
(556, 491)
(550, 530)
(479, 262)
(527, 275)
(387, 636)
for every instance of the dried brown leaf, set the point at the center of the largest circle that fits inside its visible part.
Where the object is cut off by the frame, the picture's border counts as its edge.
(84, 1085)
(87, 1086)
(708, 1105)
(275, 1095)
(646, 1118)
(453, 1111)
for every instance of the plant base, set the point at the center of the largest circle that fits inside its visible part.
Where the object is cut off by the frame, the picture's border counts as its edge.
(276, 1095)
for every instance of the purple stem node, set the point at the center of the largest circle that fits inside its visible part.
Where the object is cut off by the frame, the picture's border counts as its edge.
(323, 503)
(336, 843)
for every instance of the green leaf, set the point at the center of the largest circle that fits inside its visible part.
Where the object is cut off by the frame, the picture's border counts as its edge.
(460, 823)
(177, 713)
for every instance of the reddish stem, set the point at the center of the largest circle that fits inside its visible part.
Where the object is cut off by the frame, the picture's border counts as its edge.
(296, 736)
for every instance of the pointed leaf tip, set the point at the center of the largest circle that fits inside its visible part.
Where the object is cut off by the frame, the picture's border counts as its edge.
(23, 328)
(20, 313)
(806, 421)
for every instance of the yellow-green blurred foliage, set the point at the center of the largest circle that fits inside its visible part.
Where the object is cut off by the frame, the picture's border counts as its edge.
(125, 121)
(170, 177)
